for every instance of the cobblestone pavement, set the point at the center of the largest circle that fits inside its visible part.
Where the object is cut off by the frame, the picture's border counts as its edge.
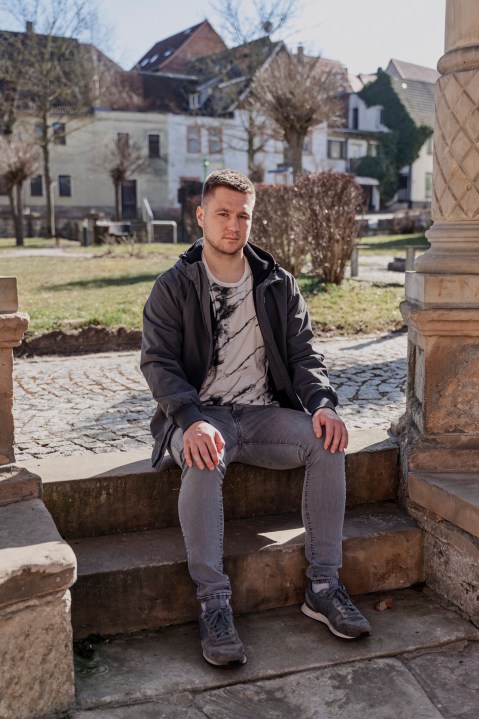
(101, 403)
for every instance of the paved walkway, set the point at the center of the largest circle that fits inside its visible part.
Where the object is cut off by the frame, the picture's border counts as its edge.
(101, 403)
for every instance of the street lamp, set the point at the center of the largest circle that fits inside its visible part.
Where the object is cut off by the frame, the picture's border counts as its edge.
(206, 164)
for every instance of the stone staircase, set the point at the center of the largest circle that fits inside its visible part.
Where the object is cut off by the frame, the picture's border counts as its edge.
(445, 504)
(120, 518)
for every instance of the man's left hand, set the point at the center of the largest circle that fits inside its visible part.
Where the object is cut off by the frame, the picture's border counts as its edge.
(326, 422)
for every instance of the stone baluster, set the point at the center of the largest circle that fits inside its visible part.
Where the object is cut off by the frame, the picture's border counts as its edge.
(13, 325)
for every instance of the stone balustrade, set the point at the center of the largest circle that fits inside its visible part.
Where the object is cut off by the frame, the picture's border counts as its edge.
(13, 325)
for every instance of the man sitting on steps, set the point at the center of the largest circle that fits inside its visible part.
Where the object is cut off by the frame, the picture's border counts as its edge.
(227, 352)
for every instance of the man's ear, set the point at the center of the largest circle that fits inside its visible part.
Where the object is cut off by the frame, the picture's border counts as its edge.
(199, 215)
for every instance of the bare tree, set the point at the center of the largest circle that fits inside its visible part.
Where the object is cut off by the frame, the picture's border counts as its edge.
(47, 73)
(296, 93)
(267, 18)
(250, 38)
(18, 162)
(123, 160)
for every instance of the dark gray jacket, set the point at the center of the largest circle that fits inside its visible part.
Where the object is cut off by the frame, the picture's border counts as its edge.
(177, 345)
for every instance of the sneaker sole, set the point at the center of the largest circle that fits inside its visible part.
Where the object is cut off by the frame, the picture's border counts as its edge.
(306, 609)
(230, 664)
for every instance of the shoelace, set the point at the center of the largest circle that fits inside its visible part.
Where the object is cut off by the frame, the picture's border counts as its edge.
(219, 622)
(337, 591)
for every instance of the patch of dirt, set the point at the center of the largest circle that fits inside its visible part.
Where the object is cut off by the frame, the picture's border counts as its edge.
(84, 341)
(89, 340)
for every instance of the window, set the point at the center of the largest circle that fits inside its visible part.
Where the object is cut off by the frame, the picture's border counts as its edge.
(193, 140)
(64, 185)
(38, 131)
(336, 150)
(355, 118)
(59, 134)
(215, 140)
(154, 146)
(194, 100)
(36, 186)
(430, 145)
(428, 188)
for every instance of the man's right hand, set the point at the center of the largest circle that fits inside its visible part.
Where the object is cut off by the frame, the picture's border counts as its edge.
(202, 444)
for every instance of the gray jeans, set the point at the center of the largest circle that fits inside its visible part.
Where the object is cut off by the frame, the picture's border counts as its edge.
(270, 437)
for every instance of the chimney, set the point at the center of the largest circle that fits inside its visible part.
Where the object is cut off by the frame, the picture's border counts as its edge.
(29, 26)
(300, 50)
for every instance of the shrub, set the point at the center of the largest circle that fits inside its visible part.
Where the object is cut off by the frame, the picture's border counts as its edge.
(411, 221)
(330, 202)
(190, 224)
(277, 226)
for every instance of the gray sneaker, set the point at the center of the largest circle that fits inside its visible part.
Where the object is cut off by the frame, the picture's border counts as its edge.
(219, 639)
(333, 607)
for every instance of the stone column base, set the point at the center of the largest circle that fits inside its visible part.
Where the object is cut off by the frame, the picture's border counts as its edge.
(37, 568)
(36, 677)
(439, 433)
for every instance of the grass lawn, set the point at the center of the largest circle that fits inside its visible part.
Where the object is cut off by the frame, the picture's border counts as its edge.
(73, 292)
(108, 286)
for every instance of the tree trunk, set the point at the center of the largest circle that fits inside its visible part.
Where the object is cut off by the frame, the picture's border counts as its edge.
(295, 142)
(117, 201)
(48, 192)
(45, 144)
(13, 208)
(19, 225)
(251, 149)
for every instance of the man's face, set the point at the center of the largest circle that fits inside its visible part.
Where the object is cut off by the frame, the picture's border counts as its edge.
(226, 220)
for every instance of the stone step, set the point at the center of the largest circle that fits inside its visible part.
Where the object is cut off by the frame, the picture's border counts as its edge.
(90, 495)
(453, 496)
(162, 674)
(34, 561)
(133, 581)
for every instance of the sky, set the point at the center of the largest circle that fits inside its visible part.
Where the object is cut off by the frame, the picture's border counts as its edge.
(362, 34)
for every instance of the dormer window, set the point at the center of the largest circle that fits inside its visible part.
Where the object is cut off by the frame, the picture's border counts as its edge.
(167, 53)
(355, 118)
(154, 58)
(194, 100)
(144, 62)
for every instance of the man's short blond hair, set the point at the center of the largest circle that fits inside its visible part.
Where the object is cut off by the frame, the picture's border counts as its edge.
(228, 178)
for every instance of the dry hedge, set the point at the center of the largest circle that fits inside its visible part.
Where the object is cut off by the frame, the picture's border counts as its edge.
(313, 219)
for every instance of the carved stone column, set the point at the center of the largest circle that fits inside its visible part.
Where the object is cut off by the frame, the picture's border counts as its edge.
(440, 430)
(13, 325)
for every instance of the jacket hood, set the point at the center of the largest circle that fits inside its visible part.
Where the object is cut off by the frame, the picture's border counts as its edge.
(261, 262)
